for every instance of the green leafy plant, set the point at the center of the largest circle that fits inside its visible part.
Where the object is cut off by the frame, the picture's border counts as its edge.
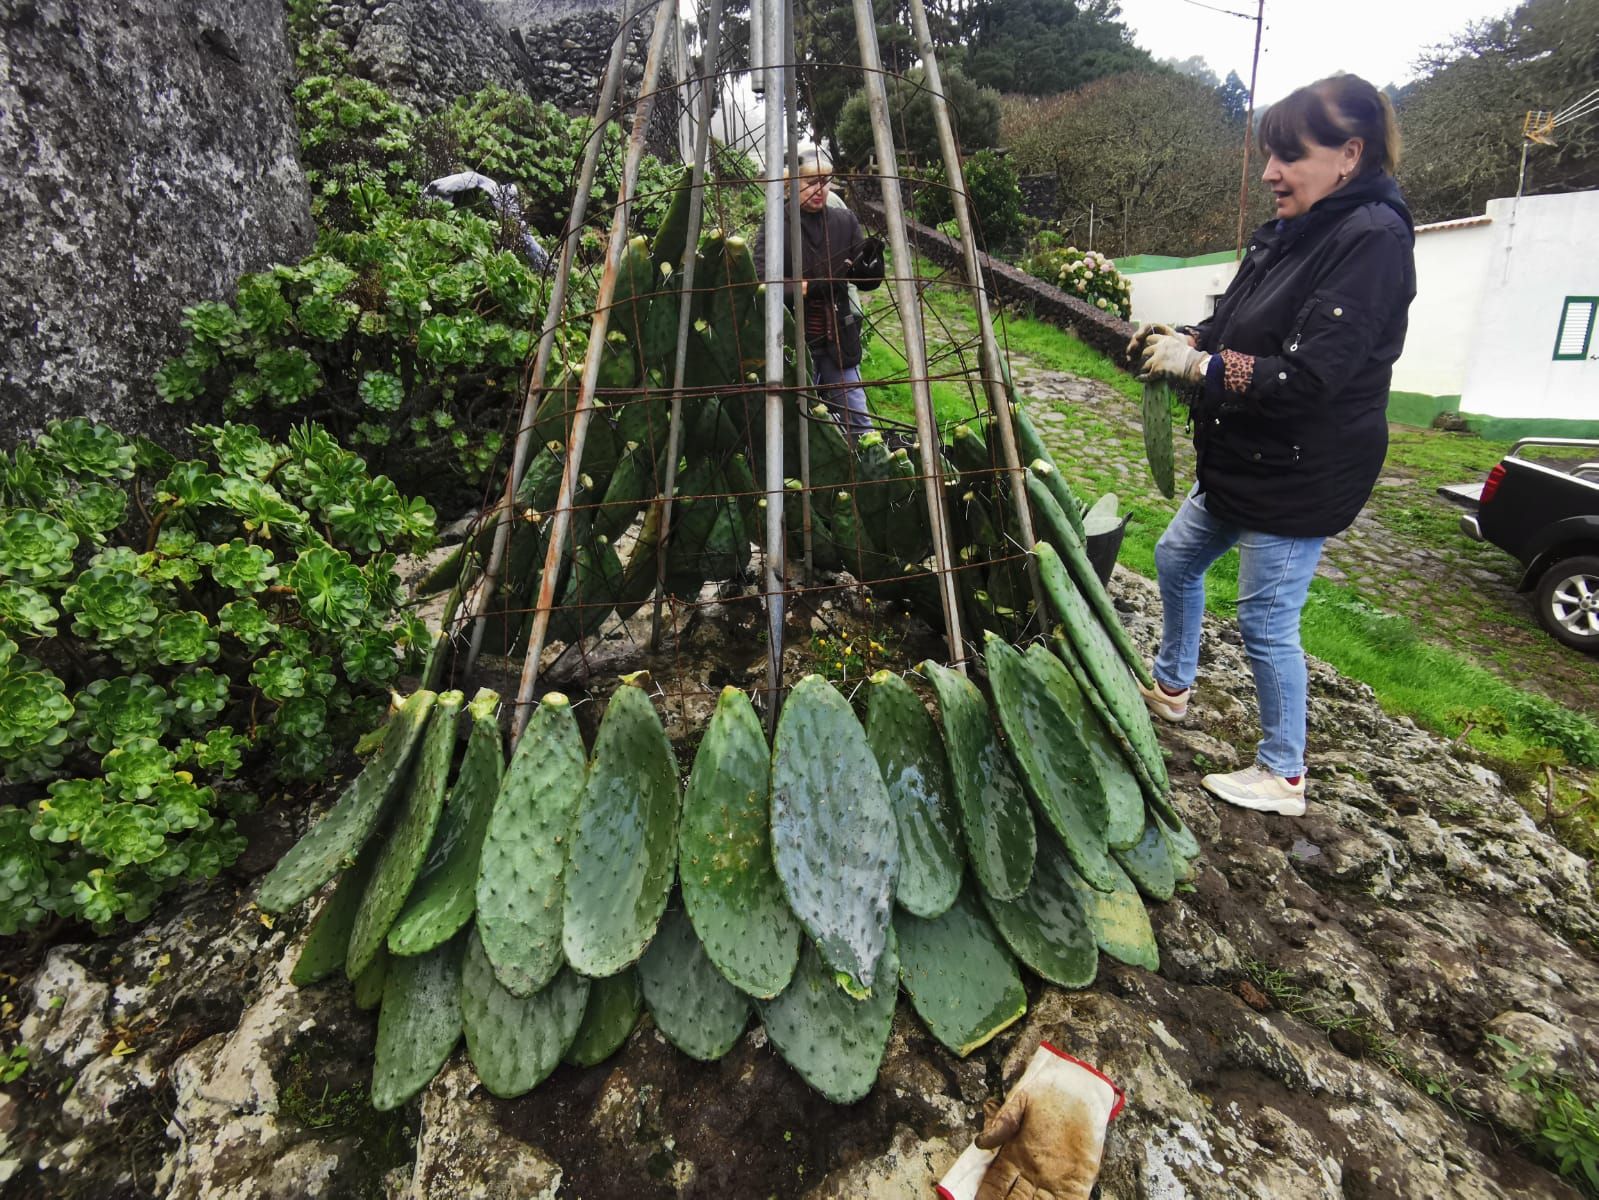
(995, 198)
(1086, 274)
(1567, 1130)
(252, 620)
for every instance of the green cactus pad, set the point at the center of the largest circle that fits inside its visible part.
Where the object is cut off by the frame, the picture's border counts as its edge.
(1183, 840)
(1124, 798)
(368, 985)
(1149, 864)
(1000, 838)
(445, 894)
(698, 1010)
(406, 841)
(834, 1041)
(1121, 925)
(910, 755)
(962, 980)
(1158, 438)
(316, 857)
(609, 1016)
(524, 851)
(516, 1041)
(419, 1024)
(624, 839)
(730, 886)
(327, 944)
(833, 837)
(1047, 926)
(1054, 761)
(1103, 664)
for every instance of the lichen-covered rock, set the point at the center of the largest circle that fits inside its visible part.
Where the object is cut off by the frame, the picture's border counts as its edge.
(151, 159)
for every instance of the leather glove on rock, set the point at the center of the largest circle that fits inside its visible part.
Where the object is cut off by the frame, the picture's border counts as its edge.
(1049, 1136)
(1169, 357)
(1135, 348)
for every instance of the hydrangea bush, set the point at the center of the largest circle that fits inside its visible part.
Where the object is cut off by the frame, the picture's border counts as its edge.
(1086, 274)
(166, 626)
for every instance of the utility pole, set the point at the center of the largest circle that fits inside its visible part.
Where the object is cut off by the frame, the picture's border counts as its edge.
(1249, 126)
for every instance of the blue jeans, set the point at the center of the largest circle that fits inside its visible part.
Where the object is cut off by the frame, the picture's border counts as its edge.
(1274, 574)
(847, 402)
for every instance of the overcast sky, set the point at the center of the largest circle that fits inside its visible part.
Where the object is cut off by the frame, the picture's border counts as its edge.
(1305, 39)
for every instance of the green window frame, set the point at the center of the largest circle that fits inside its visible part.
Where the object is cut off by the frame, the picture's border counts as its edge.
(1578, 316)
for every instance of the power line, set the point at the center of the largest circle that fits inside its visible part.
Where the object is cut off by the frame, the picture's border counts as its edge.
(1231, 12)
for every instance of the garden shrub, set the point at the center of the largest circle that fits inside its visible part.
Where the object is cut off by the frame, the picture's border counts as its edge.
(995, 198)
(1086, 274)
(168, 626)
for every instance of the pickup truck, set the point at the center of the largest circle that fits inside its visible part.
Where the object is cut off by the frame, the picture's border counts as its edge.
(1545, 515)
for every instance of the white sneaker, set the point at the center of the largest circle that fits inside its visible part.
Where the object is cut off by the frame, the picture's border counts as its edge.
(1165, 706)
(1259, 789)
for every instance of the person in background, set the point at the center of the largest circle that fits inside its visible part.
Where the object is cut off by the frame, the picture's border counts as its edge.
(836, 253)
(1287, 385)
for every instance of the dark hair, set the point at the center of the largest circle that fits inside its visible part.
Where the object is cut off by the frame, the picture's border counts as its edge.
(1328, 113)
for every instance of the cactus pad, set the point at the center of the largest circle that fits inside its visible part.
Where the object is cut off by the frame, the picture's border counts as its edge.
(833, 837)
(419, 1024)
(1121, 925)
(368, 985)
(961, 979)
(524, 851)
(1000, 838)
(516, 1041)
(1158, 438)
(1047, 926)
(698, 1010)
(316, 857)
(730, 886)
(612, 1010)
(624, 839)
(910, 755)
(327, 944)
(1150, 863)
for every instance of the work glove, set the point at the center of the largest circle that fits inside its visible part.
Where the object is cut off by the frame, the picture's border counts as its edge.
(1046, 1141)
(1169, 357)
(1135, 348)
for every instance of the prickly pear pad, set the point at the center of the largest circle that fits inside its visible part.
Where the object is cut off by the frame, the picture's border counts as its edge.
(316, 857)
(1054, 761)
(1121, 925)
(834, 1041)
(1158, 438)
(327, 945)
(446, 892)
(1000, 839)
(609, 1016)
(1046, 925)
(516, 1041)
(624, 840)
(406, 842)
(699, 1011)
(730, 885)
(419, 1023)
(524, 851)
(1150, 864)
(910, 754)
(961, 979)
(833, 834)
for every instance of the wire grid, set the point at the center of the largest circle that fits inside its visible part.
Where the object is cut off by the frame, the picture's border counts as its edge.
(717, 528)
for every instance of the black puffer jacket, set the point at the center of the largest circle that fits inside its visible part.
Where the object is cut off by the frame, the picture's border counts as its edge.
(836, 254)
(1321, 304)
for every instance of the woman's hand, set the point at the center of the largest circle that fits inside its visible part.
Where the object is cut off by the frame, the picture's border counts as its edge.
(1169, 357)
(1135, 348)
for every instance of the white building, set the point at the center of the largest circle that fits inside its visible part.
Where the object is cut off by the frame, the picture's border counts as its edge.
(1504, 328)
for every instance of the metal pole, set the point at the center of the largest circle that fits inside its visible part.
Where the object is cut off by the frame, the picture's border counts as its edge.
(911, 321)
(1249, 127)
(552, 319)
(772, 155)
(665, 14)
(796, 258)
(685, 311)
(993, 371)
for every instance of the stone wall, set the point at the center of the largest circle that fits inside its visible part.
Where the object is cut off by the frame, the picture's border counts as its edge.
(150, 159)
(1012, 286)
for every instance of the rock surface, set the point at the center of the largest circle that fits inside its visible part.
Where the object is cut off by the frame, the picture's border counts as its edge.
(1318, 1028)
(151, 159)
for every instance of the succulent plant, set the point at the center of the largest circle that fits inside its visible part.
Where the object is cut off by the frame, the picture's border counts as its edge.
(111, 711)
(263, 509)
(96, 509)
(181, 805)
(85, 448)
(25, 612)
(98, 898)
(371, 659)
(200, 695)
(185, 637)
(243, 567)
(28, 480)
(189, 485)
(35, 546)
(221, 750)
(381, 391)
(135, 767)
(111, 604)
(126, 833)
(34, 710)
(73, 806)
(330, 588)
(279, 676)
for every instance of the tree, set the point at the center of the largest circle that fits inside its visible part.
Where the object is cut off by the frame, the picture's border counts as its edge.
(1462, 120)
(1041, 47)
(1234, 97)
(1195, 67)
(974, 112)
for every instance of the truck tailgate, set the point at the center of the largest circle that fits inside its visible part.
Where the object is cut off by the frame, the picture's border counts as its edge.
(1467, 495)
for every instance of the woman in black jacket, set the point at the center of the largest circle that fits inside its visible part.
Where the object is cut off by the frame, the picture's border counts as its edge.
(1288, 389)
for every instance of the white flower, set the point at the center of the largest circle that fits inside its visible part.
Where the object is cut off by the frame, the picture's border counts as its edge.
(1100, 302)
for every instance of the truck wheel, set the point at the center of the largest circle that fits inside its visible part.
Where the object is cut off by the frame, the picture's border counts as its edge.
(1568, 602)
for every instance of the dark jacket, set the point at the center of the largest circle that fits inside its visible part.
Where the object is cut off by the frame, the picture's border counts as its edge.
(1321, 304)
(835, 253)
